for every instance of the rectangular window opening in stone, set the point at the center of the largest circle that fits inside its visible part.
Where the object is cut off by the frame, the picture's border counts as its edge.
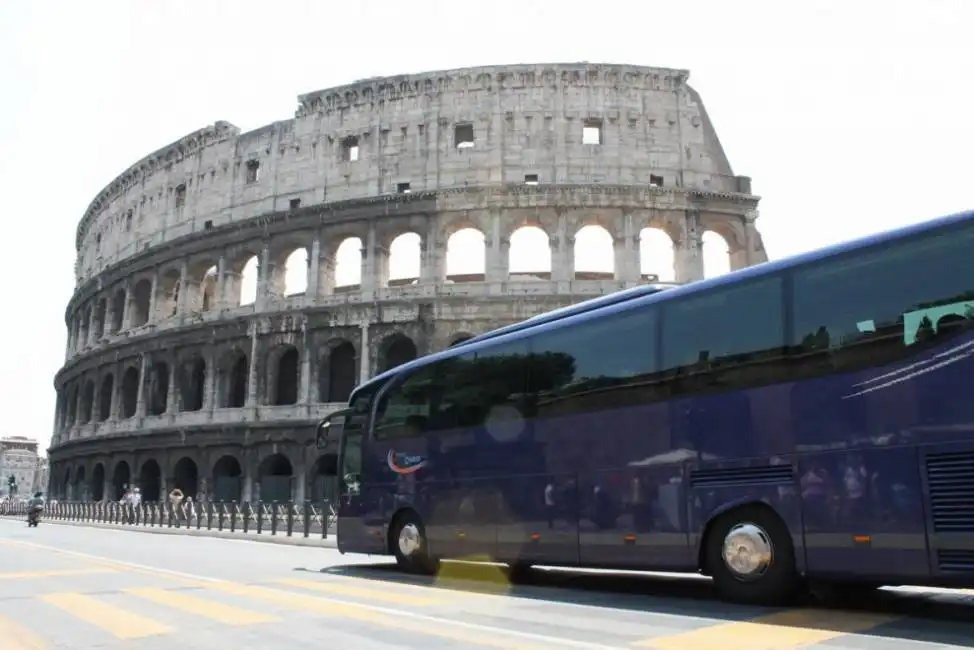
(531, 179)
(655, 181)
(128, 221)
(350, 149)
(253, 171)
(294, 204)
(403, 188)
(208, 224)
(180, 195)
(592, 132)
(463, 136)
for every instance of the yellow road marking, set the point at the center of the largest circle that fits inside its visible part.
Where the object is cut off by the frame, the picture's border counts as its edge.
(17, 637)
(361, 614)
(358, 592)
(114, 620)
(22, 575)
(778, 631)
(219, 612)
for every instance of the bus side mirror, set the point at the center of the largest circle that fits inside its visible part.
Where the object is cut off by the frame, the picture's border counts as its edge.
(321, 434)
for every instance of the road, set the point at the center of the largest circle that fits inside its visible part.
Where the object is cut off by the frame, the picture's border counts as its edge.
(84, 588)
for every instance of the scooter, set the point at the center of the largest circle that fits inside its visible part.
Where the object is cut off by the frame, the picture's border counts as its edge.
(34, 517)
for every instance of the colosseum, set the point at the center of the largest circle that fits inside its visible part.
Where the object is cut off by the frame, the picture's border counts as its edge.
(232, 288)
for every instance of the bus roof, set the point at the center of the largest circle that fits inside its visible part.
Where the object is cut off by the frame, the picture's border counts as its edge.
(571, 310)
(676, 292)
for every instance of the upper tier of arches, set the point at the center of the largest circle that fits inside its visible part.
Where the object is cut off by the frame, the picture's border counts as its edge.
(533, 124)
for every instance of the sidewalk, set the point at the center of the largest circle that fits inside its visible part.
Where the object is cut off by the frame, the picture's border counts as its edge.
(265, 536)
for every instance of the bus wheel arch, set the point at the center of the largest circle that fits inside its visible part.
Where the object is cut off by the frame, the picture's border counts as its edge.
(748, 551)
(407, 541)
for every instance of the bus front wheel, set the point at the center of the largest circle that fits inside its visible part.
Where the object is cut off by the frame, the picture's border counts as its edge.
(751, 557)
(410, 546)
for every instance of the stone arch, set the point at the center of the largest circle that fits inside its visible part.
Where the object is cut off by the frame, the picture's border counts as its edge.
(80, 484)
(529, 253)
(657, 254)
(130, 392)
(167, 294)
(101, 310)
(324, 478)
(105, 397)
(593, 253)
(121, 478)
(150, 480)
(118, 310)
(466, 255)
(395, 350)
(87, 401)
(234, 381)
(348, 264)
(141, 302)
(192, 383)
(337, 371)
(245, 281)
(157, 388)
(73, 394)
(716, 253)
(97, 482)
(67, 486)
(405, 259)
(186, 476)
(227, 479)
(201, 281)
(276, 477)
(289, 265)
(283, 375)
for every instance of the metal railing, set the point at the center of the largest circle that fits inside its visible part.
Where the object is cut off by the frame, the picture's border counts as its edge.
(308, 519)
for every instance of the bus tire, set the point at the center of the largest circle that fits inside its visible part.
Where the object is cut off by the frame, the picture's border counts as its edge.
(751, 557)
(410, 545)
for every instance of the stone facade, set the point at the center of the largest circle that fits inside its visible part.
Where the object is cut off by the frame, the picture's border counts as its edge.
(171, 380)
(18, 458)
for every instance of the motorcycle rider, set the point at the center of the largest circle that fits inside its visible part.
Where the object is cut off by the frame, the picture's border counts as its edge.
(35, 506)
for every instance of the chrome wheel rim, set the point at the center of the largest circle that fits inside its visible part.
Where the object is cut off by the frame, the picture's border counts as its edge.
(747, 551)
(410, 540)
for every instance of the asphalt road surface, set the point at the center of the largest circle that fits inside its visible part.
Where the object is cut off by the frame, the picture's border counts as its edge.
(84, 588)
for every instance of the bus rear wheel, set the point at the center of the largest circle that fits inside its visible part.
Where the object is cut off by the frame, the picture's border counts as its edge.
(410, 546)
(751, 557)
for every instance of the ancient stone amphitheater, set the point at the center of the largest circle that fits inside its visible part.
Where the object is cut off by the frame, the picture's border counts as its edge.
(232, 288)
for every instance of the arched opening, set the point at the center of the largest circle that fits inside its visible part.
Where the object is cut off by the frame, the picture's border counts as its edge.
(594, 254)
(97, 483)
(207, 289)
(348, 264)
(287, 377)
(186, 476)
(324, 479)
(192, 384)
(67, 486)
(234, 378)
(73, 406)
(121, 477)
(167, 299)
(150, 481)
(87, 401)
(398, 349)
(341, 375)
(130, 392)
(529, 255)
(142, 301)
(105, 397)
(227, 479)
(100, 312)
(275, 474)
(296, 273)
(80, 485)
(715, 253)
(656, 257)
(158, 397)
(248, 281)
(466, 256)
(118, 310)
(404, 259)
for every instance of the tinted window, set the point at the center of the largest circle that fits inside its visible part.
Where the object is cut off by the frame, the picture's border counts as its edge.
(730, 337)
(875, 305)
(357, 417)
(605, 362)
(483, 387)
(404, 410)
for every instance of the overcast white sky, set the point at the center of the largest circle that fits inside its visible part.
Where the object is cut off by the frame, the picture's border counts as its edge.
(849, 116)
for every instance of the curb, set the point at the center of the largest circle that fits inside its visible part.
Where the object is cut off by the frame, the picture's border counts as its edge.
(281, 538)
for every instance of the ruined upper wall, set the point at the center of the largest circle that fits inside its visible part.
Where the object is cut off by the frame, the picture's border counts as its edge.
(525, 120)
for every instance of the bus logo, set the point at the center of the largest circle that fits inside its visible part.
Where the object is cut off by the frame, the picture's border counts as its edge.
(410, 464)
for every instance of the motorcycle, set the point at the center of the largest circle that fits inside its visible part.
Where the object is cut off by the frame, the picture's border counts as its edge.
(34, 517)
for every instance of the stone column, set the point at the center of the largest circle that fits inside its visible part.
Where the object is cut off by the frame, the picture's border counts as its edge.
(688, 251)
(113, 411)
(252, 368)
(562, 246)
(172, 395)
(314, 270)
(363, 368)
(263, 273)
(304, 390)
(127, 308)
(140, 402)
(498, 247)
(183, 289)
(153, 298)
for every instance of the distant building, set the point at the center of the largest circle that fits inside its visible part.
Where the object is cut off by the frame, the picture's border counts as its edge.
(42, 476)
(18, 458)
